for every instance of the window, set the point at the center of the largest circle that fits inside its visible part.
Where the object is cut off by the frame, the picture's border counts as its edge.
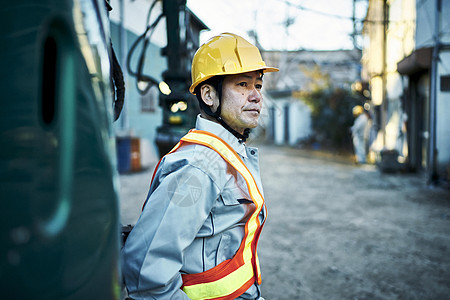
(150, 99)
(445, 83)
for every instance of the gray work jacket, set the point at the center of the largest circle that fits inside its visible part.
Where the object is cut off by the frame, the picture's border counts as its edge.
(193, 220)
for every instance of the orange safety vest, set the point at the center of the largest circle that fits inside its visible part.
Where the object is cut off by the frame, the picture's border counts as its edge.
(232, 277)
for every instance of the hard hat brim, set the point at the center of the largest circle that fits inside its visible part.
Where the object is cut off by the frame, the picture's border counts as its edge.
(264, 69)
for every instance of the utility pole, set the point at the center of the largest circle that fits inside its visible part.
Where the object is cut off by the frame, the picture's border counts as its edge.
(354, 24)
(432, 157)
(384, 104)
(124, 122)
(179, 107)
(356, 28)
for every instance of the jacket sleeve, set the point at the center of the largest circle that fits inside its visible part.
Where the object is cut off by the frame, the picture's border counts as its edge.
(178, 204)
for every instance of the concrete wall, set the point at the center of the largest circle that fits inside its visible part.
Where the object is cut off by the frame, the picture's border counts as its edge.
(291, 122)
(133, 121)
(425, 23)
(134, 14)
(426, 15)
(442, 117)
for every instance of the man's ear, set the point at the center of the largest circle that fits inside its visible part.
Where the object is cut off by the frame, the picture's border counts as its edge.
(208, 94)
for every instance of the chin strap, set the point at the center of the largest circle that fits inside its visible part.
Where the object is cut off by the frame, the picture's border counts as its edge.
(241, 137)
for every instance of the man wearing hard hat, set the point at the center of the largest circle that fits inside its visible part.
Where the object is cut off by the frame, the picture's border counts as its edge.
(198, 232)
(360, 132)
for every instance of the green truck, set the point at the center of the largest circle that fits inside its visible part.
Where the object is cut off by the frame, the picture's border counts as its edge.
(59, 210)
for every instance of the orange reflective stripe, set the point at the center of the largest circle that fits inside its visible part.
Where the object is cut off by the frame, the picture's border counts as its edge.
(232, 277)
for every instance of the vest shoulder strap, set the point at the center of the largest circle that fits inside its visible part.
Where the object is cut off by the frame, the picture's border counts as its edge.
(232, 277)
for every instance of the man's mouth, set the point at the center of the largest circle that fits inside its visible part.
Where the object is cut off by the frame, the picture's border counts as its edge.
(252, 110)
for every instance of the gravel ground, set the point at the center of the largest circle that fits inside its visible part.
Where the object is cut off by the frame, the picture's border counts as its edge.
(340, 231)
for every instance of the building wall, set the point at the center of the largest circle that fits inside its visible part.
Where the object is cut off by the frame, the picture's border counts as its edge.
(290, 121)
(142, 114)
(341, 66)
(289, 118)
(399, 42)
(382, 51)
(372, 55)
(134, 13)
(442, 118)
(128, 21)
(300, 125)
(411, 27)
(426, 15)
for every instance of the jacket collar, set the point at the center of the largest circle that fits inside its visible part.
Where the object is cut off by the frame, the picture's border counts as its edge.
(217, 129)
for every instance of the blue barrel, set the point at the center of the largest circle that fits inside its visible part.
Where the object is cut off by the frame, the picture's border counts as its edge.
(123, 145)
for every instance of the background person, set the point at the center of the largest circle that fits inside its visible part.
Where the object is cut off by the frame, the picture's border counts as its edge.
(360, 130)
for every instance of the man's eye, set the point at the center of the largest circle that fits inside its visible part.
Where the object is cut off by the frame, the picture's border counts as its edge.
(243, 84)
(258, 86)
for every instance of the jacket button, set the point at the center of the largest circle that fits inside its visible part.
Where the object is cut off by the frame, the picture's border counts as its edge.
(252, 152)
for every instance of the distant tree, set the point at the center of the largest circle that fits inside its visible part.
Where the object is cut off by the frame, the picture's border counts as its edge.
(331, 108)
(317, 80)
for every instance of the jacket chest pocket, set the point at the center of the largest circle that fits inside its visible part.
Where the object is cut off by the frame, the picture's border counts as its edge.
(227, 201)
(236, 194)
(234, 208)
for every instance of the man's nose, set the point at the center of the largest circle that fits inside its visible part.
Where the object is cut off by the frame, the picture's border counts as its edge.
(255, 95)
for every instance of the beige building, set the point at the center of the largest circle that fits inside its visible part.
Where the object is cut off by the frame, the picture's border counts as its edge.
(297, 68)
(406, 61)
(288, 120)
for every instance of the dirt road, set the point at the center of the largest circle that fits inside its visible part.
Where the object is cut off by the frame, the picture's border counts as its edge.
(339, 231)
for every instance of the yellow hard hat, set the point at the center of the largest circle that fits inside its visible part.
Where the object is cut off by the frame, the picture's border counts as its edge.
(225, 54)
(357, 110)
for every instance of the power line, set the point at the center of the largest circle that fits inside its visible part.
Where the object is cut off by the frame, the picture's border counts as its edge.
(301, 7)
(360, 20)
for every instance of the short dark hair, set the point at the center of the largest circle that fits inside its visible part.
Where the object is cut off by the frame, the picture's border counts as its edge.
(215, 82)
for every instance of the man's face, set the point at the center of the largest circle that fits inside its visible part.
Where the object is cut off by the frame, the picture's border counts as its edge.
(242, 100)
